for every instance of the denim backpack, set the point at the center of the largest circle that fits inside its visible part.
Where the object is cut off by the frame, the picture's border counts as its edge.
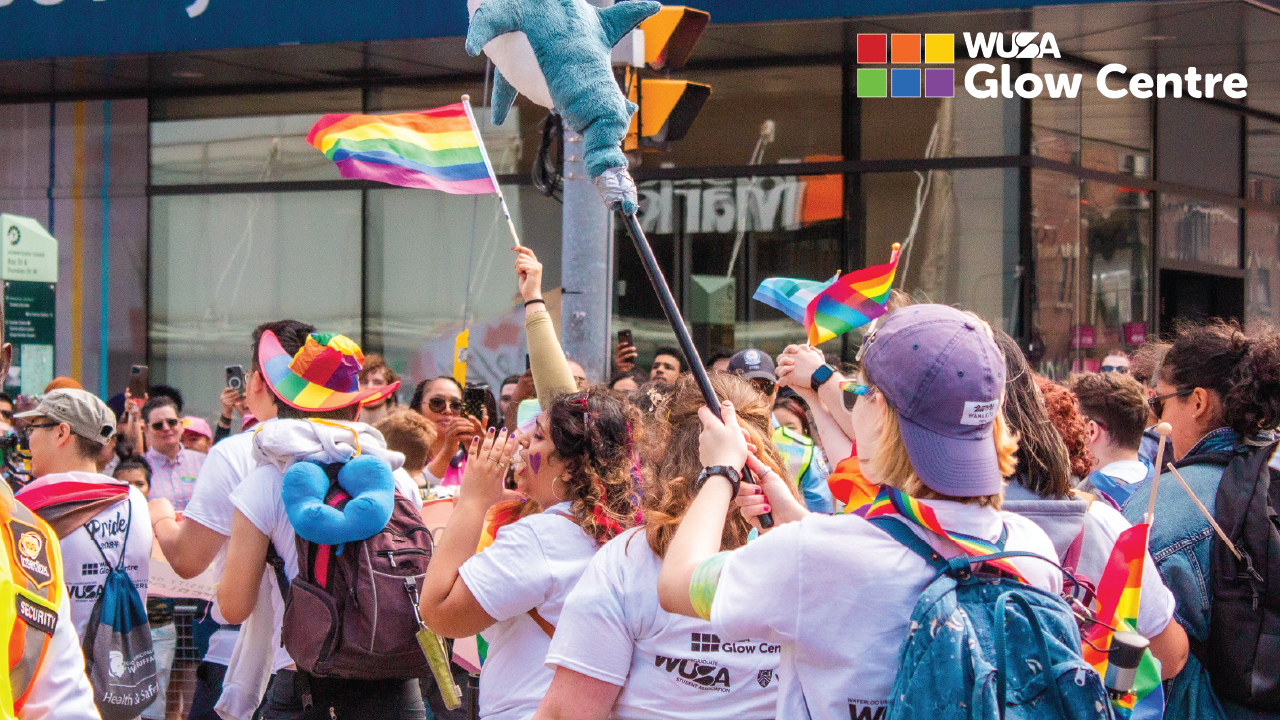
(987, 646)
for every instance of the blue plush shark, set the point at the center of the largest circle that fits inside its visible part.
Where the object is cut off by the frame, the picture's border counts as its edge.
(571, 41)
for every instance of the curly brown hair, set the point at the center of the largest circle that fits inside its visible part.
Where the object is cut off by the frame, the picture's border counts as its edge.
(669, 491)
(1066, 417)
(592, 433)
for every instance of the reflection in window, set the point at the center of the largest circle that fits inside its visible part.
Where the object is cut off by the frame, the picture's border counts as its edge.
(1262, 268)
(237, 150)
(1091, 279)
(1099, 133)
(1193, 230)
(223, 264)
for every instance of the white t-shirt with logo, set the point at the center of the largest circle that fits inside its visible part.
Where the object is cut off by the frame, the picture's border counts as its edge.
(837, 593)
(83, 566)
(613, 629)
(259, 499)
(227, 465)
(533, 563)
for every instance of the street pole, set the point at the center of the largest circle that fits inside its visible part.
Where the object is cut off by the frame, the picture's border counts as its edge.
(586, 263)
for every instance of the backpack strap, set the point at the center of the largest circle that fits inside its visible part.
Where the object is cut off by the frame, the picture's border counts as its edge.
(277, 563)
(899, 531)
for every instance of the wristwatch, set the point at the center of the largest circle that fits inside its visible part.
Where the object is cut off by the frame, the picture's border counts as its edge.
(724, 471)
(820, 376)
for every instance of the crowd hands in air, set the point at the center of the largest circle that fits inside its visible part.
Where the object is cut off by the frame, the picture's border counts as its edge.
(603, 556)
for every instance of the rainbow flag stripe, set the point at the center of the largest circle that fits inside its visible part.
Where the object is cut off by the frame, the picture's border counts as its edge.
(790, 295)
(891, 501)
(850, 302)
(433, 149)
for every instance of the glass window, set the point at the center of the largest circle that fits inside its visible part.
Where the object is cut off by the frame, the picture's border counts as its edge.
(1091, 282)
(237, 150)
(964, 126)
(1199, 145)
(425, 250)
(1099, 133)
(965, 247)
(1262, 268)
(1264, 161)
(223, 264)
(803, 102)
(1193, 230)
(1055, 122)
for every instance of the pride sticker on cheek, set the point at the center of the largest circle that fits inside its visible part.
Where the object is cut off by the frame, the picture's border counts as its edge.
(535, 462)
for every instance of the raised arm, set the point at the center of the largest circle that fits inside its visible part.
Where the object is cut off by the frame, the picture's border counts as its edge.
(551, 374)
(188, 546)
(795, 370)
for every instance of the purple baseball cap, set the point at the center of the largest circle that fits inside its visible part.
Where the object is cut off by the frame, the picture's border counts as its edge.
(944, 375)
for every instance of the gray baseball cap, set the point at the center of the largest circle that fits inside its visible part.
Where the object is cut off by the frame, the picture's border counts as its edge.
(88, 416)
(944, 375)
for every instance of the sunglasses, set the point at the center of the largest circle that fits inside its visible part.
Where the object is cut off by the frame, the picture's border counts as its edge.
(1123, 369)
(6, 414)
(853, 390)
(764, 386)
(439, 404)
(1157, 402)
(171, 423)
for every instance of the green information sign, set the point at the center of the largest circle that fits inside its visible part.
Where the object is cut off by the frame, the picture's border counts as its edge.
(29, 268)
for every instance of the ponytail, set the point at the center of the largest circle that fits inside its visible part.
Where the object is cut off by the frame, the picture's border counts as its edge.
(592, 433)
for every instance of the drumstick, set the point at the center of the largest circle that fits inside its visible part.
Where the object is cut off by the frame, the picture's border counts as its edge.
(1162, 430)
(1205, 511)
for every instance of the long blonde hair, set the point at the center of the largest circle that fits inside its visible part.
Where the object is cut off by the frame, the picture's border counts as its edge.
(892, 465)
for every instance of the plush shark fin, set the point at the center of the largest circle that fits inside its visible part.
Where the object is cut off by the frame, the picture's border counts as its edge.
(493, 18)
(504, 94)
(622, 18)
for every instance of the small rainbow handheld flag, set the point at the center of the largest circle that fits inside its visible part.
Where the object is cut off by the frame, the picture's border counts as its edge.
(436, 149)
(790, 295)
(851, 302)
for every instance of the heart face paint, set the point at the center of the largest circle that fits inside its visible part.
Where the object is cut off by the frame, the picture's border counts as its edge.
(535, 462)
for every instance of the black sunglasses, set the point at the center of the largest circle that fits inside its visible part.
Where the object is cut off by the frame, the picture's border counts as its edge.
(438, 404)
(1157, 403)
(764, 386)
(160, 424)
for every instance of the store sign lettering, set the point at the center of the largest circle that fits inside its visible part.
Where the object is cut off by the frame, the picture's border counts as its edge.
(722, 206)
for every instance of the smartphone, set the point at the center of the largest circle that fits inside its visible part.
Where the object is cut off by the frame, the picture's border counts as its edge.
(473, 403)
(139, 381)
(235, 378)
(624, 337)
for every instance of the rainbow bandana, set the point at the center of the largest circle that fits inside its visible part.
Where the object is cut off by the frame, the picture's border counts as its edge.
(323, 376)
(891, 501)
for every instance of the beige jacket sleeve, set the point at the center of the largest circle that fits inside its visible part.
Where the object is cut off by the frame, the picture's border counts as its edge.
(551, 375)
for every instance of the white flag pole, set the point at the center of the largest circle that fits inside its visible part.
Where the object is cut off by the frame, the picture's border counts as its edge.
(466, 105)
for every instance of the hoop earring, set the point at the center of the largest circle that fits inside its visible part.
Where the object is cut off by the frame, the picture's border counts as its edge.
(553, 488)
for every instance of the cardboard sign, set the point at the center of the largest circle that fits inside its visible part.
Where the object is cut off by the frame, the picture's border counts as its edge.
(435, 515)
(162, 581)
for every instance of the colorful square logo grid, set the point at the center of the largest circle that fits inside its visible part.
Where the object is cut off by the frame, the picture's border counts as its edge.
(906, 49)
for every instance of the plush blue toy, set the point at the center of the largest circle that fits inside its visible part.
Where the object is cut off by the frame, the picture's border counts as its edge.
(556, 52)
(366, 478)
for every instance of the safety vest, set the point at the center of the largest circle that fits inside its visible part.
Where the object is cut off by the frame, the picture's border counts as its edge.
(796, 448)
(31, 590)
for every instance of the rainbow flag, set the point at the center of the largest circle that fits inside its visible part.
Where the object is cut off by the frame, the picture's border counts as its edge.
(851, 489)
(1118, 594)
(851, 302)
(436, 149)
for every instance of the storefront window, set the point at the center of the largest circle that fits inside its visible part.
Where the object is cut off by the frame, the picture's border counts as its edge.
(223, 264)
(1193, 230)
(1091, 283)
(424, 251)
(1262, 268)
(1096, 132)
(1264, 161)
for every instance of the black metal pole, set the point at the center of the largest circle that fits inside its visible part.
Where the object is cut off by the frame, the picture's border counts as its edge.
(683, 337)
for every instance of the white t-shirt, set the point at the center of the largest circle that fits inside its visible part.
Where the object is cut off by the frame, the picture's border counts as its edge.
(1126, 471)
(229, 462)
(613, 629)
(534, 563)
(259, 499)
(1156, 605)
(837, 593)
(116, 530)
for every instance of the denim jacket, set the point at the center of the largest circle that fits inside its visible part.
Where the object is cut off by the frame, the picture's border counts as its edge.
(1181, 541)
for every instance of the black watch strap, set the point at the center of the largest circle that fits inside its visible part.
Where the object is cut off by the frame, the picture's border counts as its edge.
(820, 376)
(730, 474)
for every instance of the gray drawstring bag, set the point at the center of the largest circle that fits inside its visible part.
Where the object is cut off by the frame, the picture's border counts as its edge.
(117, 644)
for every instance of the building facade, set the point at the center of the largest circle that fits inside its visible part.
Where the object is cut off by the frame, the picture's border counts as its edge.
(172, 166)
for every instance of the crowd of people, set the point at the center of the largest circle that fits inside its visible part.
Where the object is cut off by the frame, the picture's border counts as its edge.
(605, 555)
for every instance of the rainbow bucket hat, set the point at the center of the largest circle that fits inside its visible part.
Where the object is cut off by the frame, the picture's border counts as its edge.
(323, 376)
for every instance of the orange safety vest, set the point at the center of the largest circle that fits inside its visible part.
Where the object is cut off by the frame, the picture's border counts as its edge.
(31, 591)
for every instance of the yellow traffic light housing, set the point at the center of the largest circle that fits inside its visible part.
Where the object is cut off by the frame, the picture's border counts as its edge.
(670, 36)
(667, 111)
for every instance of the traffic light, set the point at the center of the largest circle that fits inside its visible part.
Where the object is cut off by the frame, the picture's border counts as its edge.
(667, 107)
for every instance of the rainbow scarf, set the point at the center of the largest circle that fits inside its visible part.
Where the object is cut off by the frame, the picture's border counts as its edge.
(891, 502)
(1118, 594)
(850, 302)
(436, 149)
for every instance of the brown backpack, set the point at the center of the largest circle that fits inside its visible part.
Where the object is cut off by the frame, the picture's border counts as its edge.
(352, 611)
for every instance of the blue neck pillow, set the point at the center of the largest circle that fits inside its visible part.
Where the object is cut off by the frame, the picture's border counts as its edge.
(369, 482)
